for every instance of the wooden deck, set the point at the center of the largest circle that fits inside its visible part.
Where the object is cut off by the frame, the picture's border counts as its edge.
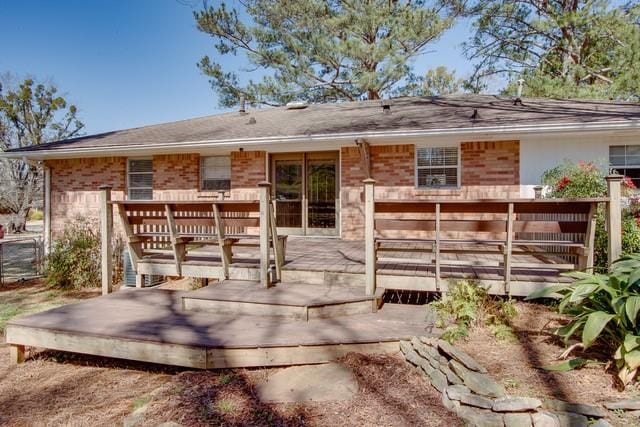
(151, 325)
(332, 261)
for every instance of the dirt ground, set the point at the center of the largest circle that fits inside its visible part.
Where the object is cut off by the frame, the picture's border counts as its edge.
(517, 362)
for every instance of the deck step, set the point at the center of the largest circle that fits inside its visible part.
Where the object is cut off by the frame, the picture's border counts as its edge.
(301, 301)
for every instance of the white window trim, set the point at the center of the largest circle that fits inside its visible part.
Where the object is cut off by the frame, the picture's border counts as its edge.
(128, 183)
(445, 144)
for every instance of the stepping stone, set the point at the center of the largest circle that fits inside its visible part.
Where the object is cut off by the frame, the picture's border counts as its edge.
(516, 404)
(579, 408)
(320, 383)
(625, 405)
(478, 383)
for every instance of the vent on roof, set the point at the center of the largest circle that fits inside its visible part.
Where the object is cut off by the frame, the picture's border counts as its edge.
(296, 105)
(386, 106)
(518, 100)
(475, 116)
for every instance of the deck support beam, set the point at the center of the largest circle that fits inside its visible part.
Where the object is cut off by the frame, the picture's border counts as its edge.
(614, 217)
(369, 236)
(106, 233)
(265, 188)
(16, 354)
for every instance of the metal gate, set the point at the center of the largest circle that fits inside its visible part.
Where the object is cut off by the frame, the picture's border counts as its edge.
(21, 259)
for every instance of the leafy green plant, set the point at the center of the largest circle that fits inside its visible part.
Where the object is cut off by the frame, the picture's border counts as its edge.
(468, 305)
(586, 179)
(604, 309)
(74, 261)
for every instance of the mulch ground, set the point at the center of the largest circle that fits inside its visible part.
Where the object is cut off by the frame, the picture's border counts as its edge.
(390, 394)
(517, 363)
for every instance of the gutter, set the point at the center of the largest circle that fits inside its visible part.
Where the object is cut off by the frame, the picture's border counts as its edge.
(372, 137)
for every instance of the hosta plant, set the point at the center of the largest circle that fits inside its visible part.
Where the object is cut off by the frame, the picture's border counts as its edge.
(604, 309)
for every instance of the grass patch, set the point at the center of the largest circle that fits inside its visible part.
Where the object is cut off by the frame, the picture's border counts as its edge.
(140, 402)
(28, 298)
(225, 406)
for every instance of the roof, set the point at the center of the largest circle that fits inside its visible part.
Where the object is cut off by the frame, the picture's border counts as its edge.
(452, 113)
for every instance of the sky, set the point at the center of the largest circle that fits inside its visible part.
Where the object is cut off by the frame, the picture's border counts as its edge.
(129, 63)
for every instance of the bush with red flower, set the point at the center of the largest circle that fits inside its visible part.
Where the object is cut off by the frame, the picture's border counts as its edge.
(586, 179)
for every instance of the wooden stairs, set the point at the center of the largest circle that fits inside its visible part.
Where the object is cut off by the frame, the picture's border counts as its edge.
(301, 301)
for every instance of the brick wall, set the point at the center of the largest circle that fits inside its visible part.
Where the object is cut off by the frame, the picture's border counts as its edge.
(248, 168)
(176, 176)
(492, 162)
(488, 170)
(74, 187)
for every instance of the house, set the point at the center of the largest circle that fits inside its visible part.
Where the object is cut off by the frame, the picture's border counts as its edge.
(316, 156)
(462, 165)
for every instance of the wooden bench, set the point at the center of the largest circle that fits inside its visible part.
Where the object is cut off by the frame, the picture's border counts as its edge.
(544, 229)
(151, 226)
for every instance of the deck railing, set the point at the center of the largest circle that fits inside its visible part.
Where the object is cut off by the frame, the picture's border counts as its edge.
(489, 227)
(161, 226)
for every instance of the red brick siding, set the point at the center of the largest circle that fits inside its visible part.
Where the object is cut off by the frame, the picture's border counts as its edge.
(176, 172)
(74, 187)
(247, 169)
(490, 163)
(489, 170)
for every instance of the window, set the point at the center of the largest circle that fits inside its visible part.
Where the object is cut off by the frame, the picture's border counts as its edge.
(625, 159)
(215, 173)
(437, 167)
(140, 179)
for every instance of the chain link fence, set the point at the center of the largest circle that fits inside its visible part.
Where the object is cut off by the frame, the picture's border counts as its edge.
(21, 259)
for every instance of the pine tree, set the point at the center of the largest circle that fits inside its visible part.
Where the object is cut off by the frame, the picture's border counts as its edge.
(319, 50)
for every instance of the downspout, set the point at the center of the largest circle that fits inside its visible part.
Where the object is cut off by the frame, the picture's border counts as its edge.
(47, 210)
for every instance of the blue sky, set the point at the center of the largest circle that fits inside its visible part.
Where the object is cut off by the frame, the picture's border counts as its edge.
(128, 63)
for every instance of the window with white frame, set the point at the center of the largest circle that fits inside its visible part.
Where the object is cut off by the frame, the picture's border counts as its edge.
(140, 179)
(215, 173)
(625, 159)
(437, 167)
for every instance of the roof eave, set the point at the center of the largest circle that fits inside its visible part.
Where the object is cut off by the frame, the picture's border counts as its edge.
(372, 136)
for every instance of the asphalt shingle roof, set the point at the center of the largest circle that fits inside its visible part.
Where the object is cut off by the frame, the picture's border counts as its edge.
(410, 113)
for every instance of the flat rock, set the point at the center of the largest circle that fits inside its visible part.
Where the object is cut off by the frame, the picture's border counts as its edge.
(450, 404)
(136, 418)
(480, 417)
(438, 379)
(601, 423)
(517, 420)
(545, 419)
(579, 408)
(330, 381)
(625, 405)
(516, 404)
(571, 419)
(463, 395)
(451, 376)
(456, 390)
(462, 357)
(478, 383)
(410, 354)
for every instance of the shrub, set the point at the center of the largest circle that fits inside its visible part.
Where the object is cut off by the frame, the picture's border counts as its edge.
(604, 309)
(468, 305)
(74, 261)
(36, 215)
(586, 179)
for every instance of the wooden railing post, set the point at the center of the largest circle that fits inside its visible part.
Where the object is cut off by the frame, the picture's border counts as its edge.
(614, 217)
(369, 236)
(264, 189)
(106, 232)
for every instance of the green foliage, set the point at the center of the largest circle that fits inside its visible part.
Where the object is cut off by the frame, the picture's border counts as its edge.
(563, 49)
(575, 180)
(36, 215)
(468, 305)
(74, 261)
(586, 179)
(320, 50)
(604, 309)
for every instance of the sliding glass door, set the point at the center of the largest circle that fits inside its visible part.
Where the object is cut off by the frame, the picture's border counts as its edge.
(306, 192)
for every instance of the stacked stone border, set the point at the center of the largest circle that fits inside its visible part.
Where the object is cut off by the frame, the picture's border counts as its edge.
(469, 391)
